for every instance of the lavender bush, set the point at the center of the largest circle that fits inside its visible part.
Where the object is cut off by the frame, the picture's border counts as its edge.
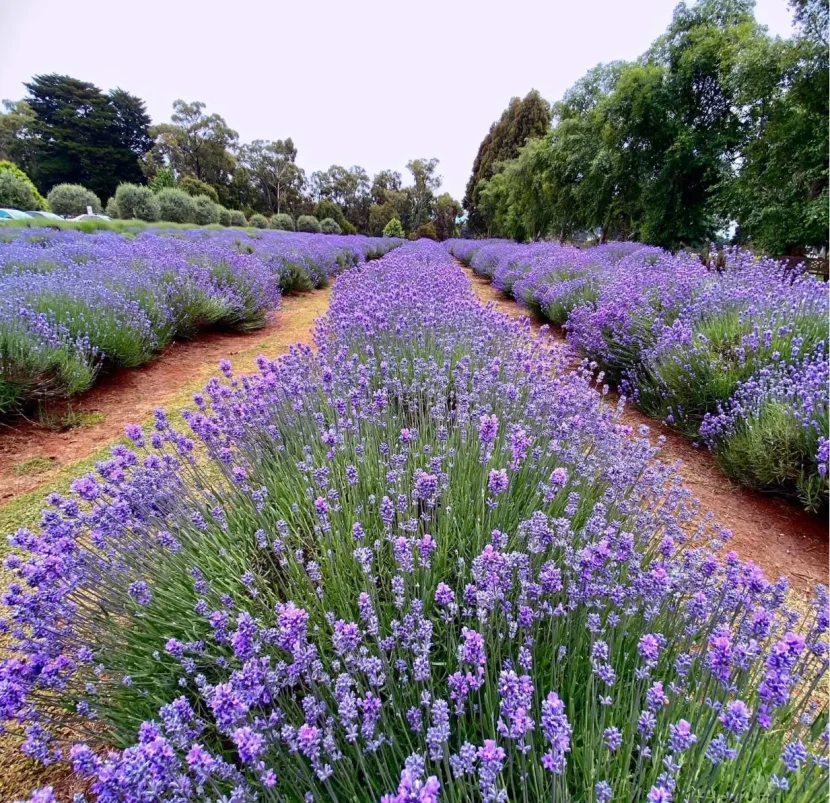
(422, 563)
(71, 302)
(687, 341)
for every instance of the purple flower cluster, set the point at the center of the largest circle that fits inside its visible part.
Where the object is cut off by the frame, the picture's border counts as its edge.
(733, 353)
(71, 301)
(336, 601)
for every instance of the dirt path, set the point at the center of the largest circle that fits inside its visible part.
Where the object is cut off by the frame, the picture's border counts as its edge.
(124, 397)
(32, 455)
(775, 533)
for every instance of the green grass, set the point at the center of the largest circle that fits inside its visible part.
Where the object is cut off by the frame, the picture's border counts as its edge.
(34, 465)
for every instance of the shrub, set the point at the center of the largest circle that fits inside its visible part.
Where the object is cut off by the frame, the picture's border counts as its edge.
(326, 208)
(15, 193)
(136, 203)
(195, 187)
(111, 209)
(238, 218)
(258, 221)
(348, 228)
(163, 179)
(329, 226)
(424, 231)
(176, 206)
(207, 211)
(224, 216)
(308, 223)
(393, 228)
(282, 222)
(15, 185)
(71, 200)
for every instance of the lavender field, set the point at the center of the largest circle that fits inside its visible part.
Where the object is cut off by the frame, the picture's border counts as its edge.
(423, 563)
(73, 303)
(733, 353)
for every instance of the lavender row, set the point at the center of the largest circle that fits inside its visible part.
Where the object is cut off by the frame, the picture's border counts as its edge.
(733, 353)
(425, 562)
(72, 302)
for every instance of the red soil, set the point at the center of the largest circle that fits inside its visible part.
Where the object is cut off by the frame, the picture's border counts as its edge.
(131, 395)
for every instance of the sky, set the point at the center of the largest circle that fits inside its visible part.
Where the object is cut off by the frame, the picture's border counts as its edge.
(363, 82)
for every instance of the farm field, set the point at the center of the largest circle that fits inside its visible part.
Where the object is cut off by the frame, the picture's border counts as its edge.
(430, 559)
(732, 354)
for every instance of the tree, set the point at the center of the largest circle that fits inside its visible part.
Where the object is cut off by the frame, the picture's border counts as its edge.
(348, 188)
(83, 136)
(393, 228)
(195, 144)
(273, 170)
(422, 192)
(19, 191)
(384, 182)
(522, 120)
(17, 142)
(195, 187)
(447, 209)
(780, 194)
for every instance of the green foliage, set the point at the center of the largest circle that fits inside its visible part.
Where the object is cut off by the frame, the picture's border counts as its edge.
(521, 121)
(71, 200)
(197, 145)
(295, 278)
(447, 209)
(348, 228)
(329, 226)
(393, 228)
(716, 122)
(195, 187)
(379, 217)
(329, 209)
(111, 209)
(771, 450)
(163, 179)
(422, 193)
(282, 222)
(15, 193)
(207, 211)
(80, 135)
(426, 231)
(224, 216)
(136, 202)
(308, 223)
(258, 221)
(20, 187)
(176, 206)
(271, 171)
(238, 218)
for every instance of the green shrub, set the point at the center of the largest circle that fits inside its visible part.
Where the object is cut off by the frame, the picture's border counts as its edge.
(163, 179)
(282, 222)
(71, 200)
(393, 228)
(111, 209)
(308, 223)
(195, 187)
(176, 206)
(329, 226)
(258, 221)
(326, 208)
(238, 218)
(425, 231)
(136, 203)
(224, 216)
(16, 185)
(15, 193)
(348, 228)
(207, 211)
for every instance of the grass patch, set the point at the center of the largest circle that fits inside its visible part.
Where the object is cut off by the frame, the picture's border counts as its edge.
(69, 419)
(34, 465)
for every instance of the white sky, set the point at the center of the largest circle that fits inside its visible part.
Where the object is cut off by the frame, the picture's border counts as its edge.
(361, 82)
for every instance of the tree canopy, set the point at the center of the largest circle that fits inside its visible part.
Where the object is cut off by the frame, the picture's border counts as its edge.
(717, 129)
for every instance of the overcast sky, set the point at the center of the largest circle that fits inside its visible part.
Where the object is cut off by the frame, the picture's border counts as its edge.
(360, 82)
